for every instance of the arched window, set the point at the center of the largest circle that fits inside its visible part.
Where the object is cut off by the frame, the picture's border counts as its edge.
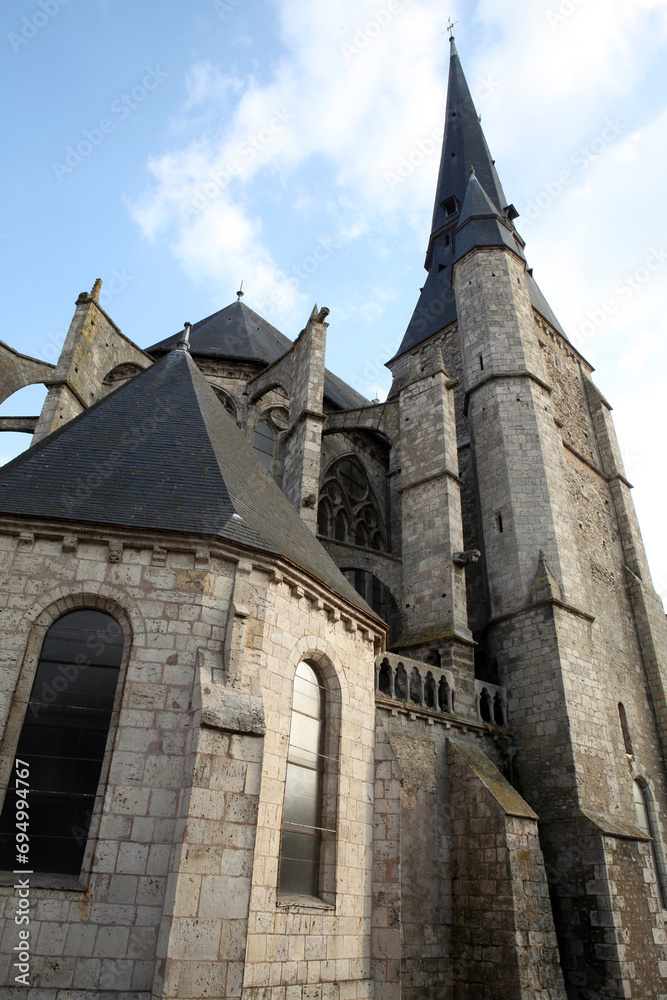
(225, 400)
(625, 729)
(340, 527)
(349, 494)
(324, 518)
(301, 834)
(63, 740)
(269, 447)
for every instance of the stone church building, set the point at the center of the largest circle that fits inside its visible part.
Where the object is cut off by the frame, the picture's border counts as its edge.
(305, 697)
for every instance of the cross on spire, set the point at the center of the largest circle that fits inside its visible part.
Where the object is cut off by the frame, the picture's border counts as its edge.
(450, 28)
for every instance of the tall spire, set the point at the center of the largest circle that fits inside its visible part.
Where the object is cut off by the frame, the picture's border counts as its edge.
(464, 146)
(470, 209)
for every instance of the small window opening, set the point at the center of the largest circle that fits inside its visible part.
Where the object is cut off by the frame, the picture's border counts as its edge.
(499, 522)
(450, 206)
(498, 714)
(433, 658)
(481, 362)
(625, 729)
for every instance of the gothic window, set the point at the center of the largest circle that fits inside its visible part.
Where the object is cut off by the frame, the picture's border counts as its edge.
(415, 686)
(324, 518)
(225, 400)
(625, 729)
(269, 445)
(347, 494)
(340, 527)
(498, 714)
(63, 741)
(372, 590)
(301, 834)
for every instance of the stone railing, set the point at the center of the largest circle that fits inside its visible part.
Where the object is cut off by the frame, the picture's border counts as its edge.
(414, 682)
(491, 703)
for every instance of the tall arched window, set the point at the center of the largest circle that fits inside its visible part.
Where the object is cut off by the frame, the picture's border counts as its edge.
(63, 741)
(301, 834)
(269, 445)
(625, 729)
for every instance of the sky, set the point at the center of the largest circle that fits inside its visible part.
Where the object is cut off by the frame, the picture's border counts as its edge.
(175, 150)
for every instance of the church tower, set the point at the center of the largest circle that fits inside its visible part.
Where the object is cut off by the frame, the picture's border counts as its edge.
(561, 603)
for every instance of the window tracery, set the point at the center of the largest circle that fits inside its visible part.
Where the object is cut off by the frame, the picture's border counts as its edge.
(348, 511)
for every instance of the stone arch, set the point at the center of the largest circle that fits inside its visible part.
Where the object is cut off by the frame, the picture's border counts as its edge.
(19, 370)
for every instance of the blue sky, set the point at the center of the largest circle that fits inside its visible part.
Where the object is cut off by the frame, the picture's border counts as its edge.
(176, 149)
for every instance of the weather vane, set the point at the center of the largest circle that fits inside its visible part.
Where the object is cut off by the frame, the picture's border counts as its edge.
(450, 28)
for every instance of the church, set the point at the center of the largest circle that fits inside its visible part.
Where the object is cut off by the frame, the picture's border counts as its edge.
(308, 697)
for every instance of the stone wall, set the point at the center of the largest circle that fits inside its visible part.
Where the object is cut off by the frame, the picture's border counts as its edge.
(189, 813)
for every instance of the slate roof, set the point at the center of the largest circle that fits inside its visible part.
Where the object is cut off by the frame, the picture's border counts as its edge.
(239, 333)
(162, 453)
(464, 146)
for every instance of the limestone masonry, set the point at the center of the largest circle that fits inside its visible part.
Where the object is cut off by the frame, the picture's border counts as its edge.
(323, 699)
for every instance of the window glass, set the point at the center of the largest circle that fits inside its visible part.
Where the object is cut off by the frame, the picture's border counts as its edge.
(352, 479)
(301, 833)
(63, 740)
(263, 442)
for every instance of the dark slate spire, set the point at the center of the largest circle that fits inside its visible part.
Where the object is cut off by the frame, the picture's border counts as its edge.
(162, 453)
(470, 211)
(464, 146)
